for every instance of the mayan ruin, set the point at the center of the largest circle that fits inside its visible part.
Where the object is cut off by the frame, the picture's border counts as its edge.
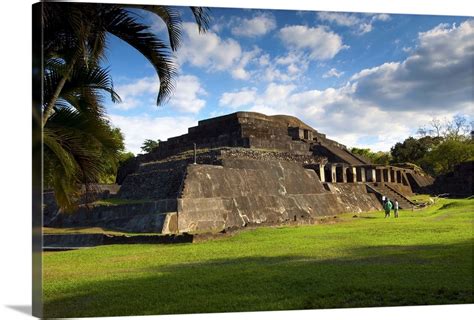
(245, 169)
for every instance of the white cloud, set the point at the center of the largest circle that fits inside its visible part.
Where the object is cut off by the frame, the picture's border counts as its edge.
(214, 53)
(239, 98)
(385, 104)
(142, 92)
(207, 50)
(137, 129)
(378, 107)
(360, 23)
(322, 43)
(186, 96)
(254, 27)
(132, 93)
(275, 94)
(381, 17)
(256, 66)
(365, 28)
(272, 73)
(341, 19)
(333, 73)
(264, 109)
(296, 65)
(264, 59)
(436, 75)
(239, 71)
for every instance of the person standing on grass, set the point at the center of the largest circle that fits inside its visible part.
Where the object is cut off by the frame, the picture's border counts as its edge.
(387, 207)
(395, 209)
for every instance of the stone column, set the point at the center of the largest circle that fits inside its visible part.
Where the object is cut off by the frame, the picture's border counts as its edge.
(333, 173)
(362, 174)
(354, 174)
(387, 172)
(321, 173)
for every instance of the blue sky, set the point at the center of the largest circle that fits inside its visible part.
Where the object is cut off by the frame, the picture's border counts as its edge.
(366, 80)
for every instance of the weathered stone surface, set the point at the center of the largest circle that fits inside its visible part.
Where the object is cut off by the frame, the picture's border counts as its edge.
(157, 184)
(247, 177)
(247, 192)
(265, 155)
(139, 217)
(355, 198)
(238, 193)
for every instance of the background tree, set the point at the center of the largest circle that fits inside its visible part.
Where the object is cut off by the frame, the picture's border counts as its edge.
(412, 150)
(379, 157)
(458, 129)
(446, 155)
(149, 144)
(441, 146)
(113, 163)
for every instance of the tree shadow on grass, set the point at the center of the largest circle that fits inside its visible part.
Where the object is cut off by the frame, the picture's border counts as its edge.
(368, 277)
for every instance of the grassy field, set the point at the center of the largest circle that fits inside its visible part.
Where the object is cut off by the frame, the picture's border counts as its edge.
(424, 257)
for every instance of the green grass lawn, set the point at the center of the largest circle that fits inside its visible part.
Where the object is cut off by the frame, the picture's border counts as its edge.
(424, 257)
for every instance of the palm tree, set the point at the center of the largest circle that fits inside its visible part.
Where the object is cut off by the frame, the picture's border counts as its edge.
(76, 33)
(78, 140)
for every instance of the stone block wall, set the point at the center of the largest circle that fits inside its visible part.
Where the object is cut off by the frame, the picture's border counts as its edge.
(134, 217)
(239, 177)
(211, 198)
(248, 192)
(157, 184)
(356, 198)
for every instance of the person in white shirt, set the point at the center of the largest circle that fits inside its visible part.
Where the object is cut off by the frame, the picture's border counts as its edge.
(395, 209)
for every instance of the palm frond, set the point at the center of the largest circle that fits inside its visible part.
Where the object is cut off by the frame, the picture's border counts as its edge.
(83, 81)
(170, 16)
(202, 17)
(151, 47)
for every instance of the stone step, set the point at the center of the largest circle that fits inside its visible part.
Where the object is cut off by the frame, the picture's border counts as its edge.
(383, 190)
(396, 195)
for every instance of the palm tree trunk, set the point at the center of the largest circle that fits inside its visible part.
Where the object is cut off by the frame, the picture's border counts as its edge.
(48, 110)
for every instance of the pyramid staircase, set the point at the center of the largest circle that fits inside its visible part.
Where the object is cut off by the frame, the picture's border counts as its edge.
(386, 190)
